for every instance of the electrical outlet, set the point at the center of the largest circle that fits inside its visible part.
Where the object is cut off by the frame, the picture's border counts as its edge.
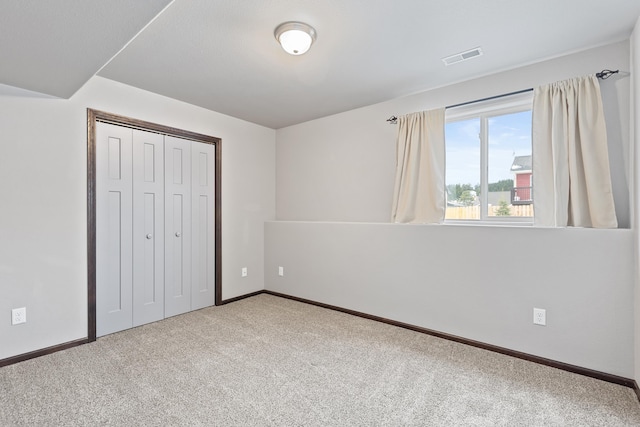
(245, 273)
(280, 271)
(18, 316)
(539, 316)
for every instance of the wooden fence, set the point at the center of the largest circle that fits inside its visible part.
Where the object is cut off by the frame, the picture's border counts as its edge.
(473, 212)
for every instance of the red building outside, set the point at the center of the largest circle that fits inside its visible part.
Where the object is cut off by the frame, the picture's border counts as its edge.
(522, 193)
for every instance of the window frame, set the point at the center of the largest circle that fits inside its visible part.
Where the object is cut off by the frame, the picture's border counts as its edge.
(485, 110)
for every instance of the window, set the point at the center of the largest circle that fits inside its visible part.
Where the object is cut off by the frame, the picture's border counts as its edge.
(488, 160)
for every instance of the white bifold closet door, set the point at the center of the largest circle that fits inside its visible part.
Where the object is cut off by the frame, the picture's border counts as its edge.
(148, 227)
(114, 229)
(177, 254)
(155, 224)
(203, 225)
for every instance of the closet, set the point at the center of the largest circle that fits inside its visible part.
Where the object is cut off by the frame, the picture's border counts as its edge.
(155, 226)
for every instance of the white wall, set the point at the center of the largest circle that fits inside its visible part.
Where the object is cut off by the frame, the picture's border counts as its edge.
(43, 264)
(635, 187)
(480, 283)
(341, 168)
(477, 282)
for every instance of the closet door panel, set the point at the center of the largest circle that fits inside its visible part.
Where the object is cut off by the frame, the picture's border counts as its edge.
(148, 227)
(114, 246)
(177, 226)
(203, 225)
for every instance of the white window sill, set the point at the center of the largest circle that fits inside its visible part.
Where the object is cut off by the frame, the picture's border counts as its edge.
(490, 223)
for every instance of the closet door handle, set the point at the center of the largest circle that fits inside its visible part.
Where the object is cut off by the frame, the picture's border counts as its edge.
(177, 234)
(149, 236)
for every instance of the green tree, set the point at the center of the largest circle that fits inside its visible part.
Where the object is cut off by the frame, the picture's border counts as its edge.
(503, 209)
(467, 198)
(502, 185)
(455, 191)
(452, 194)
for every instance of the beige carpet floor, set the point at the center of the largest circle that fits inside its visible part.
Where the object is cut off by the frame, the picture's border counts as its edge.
(268, 361)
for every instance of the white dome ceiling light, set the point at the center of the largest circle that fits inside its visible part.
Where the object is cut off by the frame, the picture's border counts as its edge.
(295, 37)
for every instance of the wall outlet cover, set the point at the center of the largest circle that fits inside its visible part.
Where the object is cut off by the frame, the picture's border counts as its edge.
(540, 316)
(18, 316)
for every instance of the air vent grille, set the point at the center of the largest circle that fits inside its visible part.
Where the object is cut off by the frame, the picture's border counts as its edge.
(462, 56)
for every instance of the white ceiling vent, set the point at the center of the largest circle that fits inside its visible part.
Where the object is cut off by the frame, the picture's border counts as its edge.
(462, 56)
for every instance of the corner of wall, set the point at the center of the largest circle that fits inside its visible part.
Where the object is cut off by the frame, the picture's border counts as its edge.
(634, 187)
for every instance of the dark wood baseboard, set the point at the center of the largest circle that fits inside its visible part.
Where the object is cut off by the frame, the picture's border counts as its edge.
(42, 352)
(627, 382)
(603, 376)
(241, 297)
(636, 389)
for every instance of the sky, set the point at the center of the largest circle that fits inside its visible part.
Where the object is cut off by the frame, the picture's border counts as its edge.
(509, 136)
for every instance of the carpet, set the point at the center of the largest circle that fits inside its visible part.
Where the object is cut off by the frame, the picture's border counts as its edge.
(270, 361)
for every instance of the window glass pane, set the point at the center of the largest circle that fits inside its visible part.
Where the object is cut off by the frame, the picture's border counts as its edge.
(509, 165)
(463, 169)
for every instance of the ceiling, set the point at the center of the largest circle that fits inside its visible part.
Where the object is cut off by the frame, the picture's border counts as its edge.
(222, 55)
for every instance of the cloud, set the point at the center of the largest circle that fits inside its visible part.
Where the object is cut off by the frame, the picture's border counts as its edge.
(509, 135)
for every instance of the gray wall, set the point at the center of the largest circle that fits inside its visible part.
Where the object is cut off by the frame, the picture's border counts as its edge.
(477, 282)
(480, 283)
(43, 225)
(635, 185)
(341, 168)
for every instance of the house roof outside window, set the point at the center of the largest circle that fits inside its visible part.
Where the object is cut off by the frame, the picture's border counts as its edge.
(521, 164)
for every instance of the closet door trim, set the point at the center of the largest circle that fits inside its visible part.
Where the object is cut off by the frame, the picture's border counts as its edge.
(94, 116)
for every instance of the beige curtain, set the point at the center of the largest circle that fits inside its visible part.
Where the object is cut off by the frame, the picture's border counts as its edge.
(571, 177)
(418, 195)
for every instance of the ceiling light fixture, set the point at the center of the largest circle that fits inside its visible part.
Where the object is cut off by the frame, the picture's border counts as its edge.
(295, 37)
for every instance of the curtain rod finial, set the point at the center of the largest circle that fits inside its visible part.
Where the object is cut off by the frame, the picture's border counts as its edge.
(605, 74)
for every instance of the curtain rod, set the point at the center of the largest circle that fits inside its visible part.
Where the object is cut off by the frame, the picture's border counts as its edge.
(604, 74)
